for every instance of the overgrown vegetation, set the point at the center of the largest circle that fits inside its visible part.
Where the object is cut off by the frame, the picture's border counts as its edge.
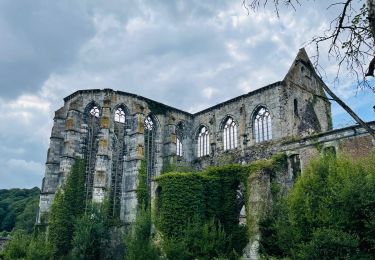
(18, 209)
(67, 207)
(72, 233)
(329, 214)
(139, 239)
(197, 209)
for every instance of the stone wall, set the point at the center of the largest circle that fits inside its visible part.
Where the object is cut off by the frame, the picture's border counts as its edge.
(300, 124)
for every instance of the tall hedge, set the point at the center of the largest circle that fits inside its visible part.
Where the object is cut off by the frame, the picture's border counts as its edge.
(197, 199)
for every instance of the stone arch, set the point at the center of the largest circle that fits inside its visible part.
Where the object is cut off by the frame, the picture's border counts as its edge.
(91, 142)
(229, 131)
(118, 152)
(261, 123)
(88, 107)
(151, 153)
(123, 107)
(202, 140)
(180, 135)
(256, 109)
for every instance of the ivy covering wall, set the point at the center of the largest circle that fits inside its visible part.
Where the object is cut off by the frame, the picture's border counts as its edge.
(215, 195)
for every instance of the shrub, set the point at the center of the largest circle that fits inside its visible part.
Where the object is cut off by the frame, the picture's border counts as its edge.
(329, 213)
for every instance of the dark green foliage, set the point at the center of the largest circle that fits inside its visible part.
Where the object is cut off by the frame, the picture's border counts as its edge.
(186, 204)
(68, 205)
(39, 248)
(26, 246)
(328, 214)
(18, 209)
(91, 238)
(198, 241)
(142, 189)
(182, 196)
(138, 240)
(17, 247)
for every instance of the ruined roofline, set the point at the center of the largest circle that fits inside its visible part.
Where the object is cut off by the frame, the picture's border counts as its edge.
(79, 92)
(147, 100)
(354, 127)
(275, 84)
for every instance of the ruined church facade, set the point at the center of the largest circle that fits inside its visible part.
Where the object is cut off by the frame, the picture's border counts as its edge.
(115, 132)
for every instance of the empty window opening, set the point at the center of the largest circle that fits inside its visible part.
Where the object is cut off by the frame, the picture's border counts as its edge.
(329, 151)
(179, 138)
(203, 142)
(295, 165)
(149, 144)
(262, 125)
(230, 134)
(295, 107)
(179, 147)
(120, 115)
(95, 111)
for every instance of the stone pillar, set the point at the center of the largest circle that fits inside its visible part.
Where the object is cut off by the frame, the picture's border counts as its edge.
(132, 163)
(169, 143)
(51, 179)
(72, 141)
(259, 187)
(103, 167)
(242, 129)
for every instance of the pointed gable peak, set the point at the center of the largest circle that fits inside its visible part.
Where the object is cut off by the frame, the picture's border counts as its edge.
(301, 58)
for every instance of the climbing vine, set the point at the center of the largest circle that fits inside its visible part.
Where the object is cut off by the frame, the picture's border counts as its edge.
(142, 188)
(197, 199)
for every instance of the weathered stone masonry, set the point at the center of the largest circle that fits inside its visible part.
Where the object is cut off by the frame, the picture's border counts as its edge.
(114, 131)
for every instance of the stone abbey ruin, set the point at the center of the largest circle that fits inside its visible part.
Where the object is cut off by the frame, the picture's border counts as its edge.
(115, 131)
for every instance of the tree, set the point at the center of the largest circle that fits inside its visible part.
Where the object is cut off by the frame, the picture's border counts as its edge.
(17, 247)
(351, 34)
(329, 214)
(351, 38)
(138, 240)
(91, 238)
(68, 205)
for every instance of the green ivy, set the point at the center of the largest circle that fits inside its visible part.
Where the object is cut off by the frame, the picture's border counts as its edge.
(142, 188)
(191, 199)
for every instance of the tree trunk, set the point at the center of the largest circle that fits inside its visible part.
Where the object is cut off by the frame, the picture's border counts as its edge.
(371, 15)
(350, 111)
(371, 19)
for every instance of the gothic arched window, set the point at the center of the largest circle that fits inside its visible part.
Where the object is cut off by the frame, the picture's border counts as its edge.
(149, 124)
(94, 111)
(262, 125)
(179, 137)
(230, 134)
(203, 142)
(179, 147)
(149, 144)
(120, 115)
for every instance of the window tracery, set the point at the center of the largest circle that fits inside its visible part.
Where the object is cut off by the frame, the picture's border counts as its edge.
(203, 142)
(262, 125)
(230, 134)
(179, 137)
(120, 115)
(94, 111)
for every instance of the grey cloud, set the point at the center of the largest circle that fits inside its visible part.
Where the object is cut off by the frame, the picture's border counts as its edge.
(174, 52)
(41, 37)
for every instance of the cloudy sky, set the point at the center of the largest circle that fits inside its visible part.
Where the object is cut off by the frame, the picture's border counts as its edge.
(188, 54)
